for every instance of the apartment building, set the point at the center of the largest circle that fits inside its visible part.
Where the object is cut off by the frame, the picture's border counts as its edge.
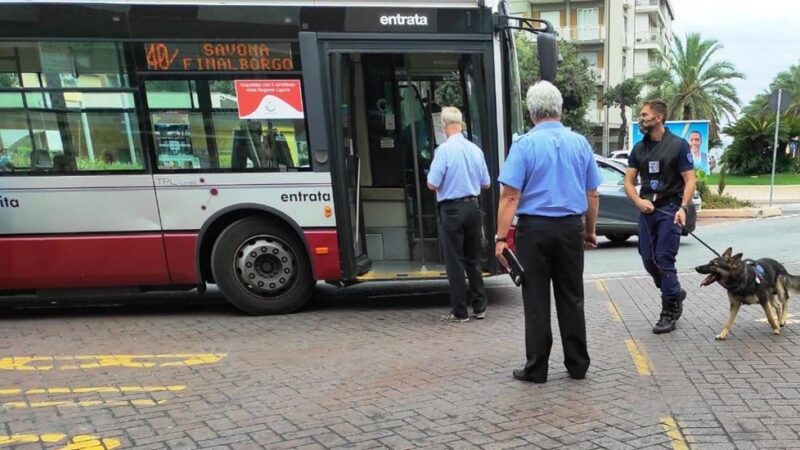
(619, 39)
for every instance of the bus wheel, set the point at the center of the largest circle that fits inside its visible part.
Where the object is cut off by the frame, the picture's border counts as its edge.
(262, 268)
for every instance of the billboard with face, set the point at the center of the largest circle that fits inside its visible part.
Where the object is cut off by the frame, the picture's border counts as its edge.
(695, 132)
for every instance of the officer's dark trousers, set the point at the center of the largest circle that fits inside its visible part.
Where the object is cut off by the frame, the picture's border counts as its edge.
(551, 249)
(659, 239)
(461, 240)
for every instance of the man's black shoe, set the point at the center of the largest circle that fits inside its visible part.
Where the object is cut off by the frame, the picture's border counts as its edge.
(666, 323)
(577, 376)
(519, 374)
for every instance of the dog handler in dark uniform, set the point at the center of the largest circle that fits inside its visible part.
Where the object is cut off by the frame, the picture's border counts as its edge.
(550, 182)
(664, 163)
(457, 174)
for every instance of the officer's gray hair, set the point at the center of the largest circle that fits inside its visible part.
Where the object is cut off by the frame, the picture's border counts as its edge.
(452, 115)
(544, 101)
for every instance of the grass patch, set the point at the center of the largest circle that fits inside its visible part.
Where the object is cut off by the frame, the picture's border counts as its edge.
(784, 179)
(725, 201)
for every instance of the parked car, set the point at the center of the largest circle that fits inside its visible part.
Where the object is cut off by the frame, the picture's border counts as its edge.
(618, 218)
(620, 155)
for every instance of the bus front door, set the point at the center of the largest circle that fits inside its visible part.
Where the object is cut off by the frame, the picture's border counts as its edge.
(376, 124)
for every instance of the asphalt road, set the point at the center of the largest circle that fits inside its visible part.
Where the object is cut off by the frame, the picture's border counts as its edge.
(777, 238)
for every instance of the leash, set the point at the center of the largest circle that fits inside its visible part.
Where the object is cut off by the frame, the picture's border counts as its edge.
(690, 233)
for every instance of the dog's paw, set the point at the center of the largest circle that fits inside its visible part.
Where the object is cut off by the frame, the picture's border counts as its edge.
(722, 336)
(776, 331)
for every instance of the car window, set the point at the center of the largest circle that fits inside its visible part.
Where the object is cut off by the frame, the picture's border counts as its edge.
(611, 176)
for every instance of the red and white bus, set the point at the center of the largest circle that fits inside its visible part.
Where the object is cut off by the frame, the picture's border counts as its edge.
(261, 146)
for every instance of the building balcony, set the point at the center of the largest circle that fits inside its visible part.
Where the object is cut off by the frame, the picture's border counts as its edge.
(649, 38)
(643, 69)
(599, 74)
(583, 34)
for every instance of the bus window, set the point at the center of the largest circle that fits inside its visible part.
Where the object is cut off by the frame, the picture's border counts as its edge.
(248, 144)
(65, 108)
(196, 126)
(71, 64)
(178, 129)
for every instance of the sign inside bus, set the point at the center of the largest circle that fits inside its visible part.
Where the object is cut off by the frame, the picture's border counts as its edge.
(218, 57)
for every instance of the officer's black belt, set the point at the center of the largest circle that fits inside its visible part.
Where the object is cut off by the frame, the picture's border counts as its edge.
(468, 198)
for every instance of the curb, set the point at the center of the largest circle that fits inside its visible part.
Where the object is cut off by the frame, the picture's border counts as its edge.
(767, 211)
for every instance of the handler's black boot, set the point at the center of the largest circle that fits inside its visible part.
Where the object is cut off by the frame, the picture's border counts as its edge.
(679, 304)
(666, 322)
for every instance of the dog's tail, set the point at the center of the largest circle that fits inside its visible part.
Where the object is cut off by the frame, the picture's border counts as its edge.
(793, 282)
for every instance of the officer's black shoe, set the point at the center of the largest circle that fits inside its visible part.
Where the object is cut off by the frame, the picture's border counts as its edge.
(666, 322)
(679, 304)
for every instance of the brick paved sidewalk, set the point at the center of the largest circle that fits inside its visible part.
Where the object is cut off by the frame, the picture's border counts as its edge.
(372, 367)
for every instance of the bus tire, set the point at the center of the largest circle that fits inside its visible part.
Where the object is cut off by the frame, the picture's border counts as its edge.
(262, 267)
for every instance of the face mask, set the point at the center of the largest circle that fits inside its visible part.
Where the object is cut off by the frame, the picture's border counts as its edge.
(646, 127)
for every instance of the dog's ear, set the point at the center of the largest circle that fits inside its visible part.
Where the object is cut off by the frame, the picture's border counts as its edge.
(737, 257)
(727, 253)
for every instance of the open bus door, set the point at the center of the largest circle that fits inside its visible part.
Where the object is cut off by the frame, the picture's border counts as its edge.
(342, 74)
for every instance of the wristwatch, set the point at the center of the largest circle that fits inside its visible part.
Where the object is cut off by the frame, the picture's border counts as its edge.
(499, 239)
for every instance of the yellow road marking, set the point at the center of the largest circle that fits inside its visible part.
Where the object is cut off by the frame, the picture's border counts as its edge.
(614, 311)
(44, 363)
(674, 433)
(94, 390)
(601, 285)
(84, 403)
(17, 439)
(639, 356)
(82, 442)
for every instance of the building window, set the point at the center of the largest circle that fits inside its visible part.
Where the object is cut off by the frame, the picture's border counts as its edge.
(554, 17)
(588, 24)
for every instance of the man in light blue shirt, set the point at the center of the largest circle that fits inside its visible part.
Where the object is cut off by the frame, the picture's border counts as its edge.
(550, 181)
(457, 174)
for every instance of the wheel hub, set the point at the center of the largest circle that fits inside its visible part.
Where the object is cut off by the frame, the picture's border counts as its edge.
(266, 265)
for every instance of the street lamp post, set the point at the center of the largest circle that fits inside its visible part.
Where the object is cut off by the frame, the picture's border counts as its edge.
(775, 148)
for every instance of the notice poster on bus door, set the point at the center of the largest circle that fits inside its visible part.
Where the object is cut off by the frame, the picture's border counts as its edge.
(269, 99)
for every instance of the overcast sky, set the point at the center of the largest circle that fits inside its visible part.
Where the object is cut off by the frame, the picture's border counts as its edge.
(761, 38)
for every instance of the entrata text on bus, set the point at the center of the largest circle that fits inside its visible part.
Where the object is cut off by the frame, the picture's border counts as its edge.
(259, 148)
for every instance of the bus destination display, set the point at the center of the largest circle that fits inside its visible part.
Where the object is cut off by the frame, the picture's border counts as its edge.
(218, 57)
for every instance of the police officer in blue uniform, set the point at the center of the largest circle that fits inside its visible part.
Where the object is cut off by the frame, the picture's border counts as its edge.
(457, 174)
(664, 163)
(550, 182)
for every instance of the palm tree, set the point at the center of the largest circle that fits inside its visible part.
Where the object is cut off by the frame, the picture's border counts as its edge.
(694, 85)
(789, 81)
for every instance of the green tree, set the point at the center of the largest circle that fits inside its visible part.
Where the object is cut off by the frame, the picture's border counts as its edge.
(752, 148)
(623, 95)
(575, 81)
(8, 80)
(789, 81)
(695, 85)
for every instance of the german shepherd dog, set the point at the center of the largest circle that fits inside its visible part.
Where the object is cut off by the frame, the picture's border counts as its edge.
(763, 281)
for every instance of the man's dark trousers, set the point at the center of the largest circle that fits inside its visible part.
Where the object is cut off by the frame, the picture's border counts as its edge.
(659, 239)
(461, 240)
(551, 249)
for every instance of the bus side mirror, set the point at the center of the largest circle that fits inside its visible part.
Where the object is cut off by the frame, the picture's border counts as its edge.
(548, 56)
